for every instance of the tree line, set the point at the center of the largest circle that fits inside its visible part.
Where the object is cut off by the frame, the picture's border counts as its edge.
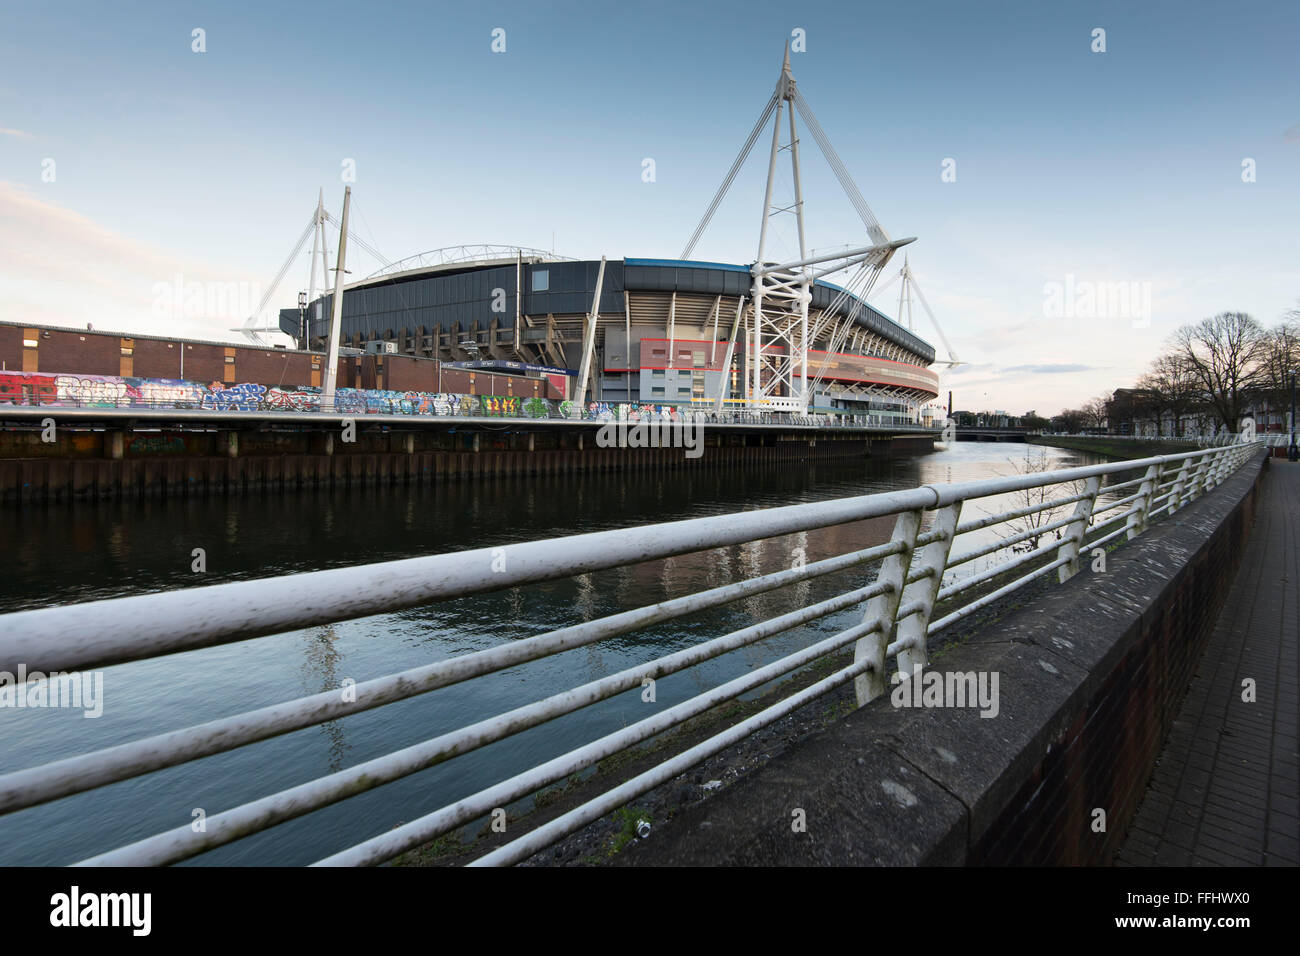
(1209, 376)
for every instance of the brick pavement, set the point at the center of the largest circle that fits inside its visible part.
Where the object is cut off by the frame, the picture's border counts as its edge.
(1224, 791)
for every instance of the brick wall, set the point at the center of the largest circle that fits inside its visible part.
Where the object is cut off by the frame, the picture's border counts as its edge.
(87, 352)
(1105, 755)
(1091, 675)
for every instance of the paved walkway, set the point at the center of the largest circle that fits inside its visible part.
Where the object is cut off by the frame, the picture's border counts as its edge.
(1224, 792)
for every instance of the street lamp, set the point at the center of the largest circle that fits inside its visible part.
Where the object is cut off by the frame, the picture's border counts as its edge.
(1292, 453)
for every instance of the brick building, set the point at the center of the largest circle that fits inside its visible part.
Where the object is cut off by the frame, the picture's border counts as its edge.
(41, 348)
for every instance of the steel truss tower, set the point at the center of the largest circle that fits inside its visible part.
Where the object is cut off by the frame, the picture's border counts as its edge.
(778, 328)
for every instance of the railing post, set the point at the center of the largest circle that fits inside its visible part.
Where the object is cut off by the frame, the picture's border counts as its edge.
(1216, 466)
(912, 622)
(1137, 522)
(1180, 483)
(1075, 530)
(1197, 485)
(883, 608)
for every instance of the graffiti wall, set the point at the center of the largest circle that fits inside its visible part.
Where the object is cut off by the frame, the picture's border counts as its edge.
(106, 391)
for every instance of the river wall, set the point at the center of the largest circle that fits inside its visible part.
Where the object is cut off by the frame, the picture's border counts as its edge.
(1091, 675)
(119, 464)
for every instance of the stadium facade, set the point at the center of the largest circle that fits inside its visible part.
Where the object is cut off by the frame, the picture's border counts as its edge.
(662, 331)
(774, 337)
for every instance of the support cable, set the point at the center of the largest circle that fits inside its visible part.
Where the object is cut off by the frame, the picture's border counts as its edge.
(735, 168)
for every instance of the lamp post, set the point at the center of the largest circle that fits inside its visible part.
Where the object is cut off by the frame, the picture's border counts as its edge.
(1292, 453)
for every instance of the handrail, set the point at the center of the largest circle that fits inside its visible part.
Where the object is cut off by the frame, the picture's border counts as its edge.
(898, 600)
(555, 412)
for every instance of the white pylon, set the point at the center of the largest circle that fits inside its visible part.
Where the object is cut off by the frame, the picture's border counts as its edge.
(777, 351)
(319, 245)
(779, 379)
(906, 291)
(336, 314)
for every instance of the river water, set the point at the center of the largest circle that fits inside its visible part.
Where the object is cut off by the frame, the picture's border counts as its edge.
(57, 553)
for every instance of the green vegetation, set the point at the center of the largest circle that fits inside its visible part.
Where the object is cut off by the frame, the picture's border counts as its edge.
(626, 818)
(1117, 448)
(449, 844)
(545, 798)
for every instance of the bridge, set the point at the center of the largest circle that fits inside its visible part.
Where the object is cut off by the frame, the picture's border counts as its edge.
(888, 784)
(973, 433)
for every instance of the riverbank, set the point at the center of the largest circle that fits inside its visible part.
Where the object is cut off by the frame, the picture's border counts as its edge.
(1116, 448)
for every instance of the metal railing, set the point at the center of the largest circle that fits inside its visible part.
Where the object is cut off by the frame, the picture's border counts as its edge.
(903, 583)
(684, 414)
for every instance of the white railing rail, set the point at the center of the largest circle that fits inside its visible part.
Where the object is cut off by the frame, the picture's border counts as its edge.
(903, 581)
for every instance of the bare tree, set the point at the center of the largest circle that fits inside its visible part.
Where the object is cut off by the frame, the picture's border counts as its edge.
(1178, 388)
(1224, 353)
(1281, 357)
(1149, 403)
(1071, 420)
(1036, 498)
(1095, 411)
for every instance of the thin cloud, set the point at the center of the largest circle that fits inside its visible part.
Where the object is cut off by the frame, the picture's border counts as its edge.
(16, 133)
(1050, 369)
(59, 267)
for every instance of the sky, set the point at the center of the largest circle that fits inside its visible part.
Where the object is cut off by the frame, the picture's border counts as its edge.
(1075, 196)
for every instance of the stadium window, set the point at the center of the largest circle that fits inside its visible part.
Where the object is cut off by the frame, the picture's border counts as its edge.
(541, 280)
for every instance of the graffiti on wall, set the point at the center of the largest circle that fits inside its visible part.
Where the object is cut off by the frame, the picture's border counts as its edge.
(246, 397)
(156, 445)
(108, 391)
(24, 388)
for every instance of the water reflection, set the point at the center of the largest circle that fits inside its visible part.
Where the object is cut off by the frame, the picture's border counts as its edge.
(320, 673)
(89, 550)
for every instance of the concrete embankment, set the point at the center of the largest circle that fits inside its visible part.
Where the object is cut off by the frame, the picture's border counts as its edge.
(1090, 676)
(125, 462)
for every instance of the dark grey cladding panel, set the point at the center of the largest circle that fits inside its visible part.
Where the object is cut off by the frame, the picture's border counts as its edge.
(877, 322)
(687, 279)
(570, 287)
(443, 299)
(466, 297)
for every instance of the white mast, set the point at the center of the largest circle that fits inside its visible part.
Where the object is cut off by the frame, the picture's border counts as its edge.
(777, 376)
(317, 249)
(336, 313)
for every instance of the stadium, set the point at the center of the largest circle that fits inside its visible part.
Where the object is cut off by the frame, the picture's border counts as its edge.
(661, 335)
(763, 336)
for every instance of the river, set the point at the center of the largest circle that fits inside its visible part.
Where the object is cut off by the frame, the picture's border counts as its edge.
(56, 553)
